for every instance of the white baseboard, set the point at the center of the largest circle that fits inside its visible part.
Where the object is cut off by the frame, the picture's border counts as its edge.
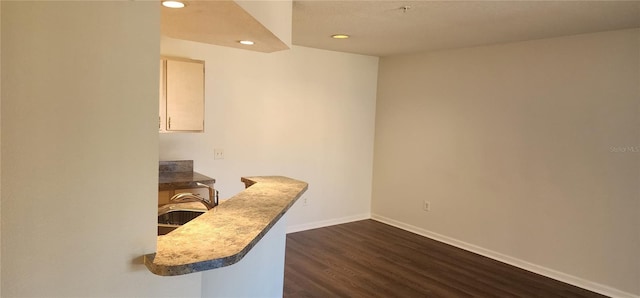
(326, 223)
(570, 279)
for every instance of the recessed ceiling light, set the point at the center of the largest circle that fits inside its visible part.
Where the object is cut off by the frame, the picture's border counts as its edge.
(246, 42)
(173, 4)
(340, 36)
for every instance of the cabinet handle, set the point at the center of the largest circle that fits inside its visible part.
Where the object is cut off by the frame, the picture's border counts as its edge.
(159, 122)
(169, 122)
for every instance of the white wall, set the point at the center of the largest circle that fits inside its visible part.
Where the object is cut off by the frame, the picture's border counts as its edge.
(79, 147)
(517, 147)
(79, 150)
(303, 113)
(259, 274)
(0, 150)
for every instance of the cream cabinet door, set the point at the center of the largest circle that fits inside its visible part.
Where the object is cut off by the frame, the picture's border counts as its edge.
(183, 94)
(164, 196)
(162, 117)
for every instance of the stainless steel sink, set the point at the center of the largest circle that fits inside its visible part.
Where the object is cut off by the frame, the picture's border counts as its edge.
(171, 216)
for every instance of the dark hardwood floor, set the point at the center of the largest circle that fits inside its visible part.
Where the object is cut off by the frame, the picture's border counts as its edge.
(371, 259)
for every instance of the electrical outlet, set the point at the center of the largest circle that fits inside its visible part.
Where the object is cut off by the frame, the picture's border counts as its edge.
(426, 206)
(218, 153)
(305, 201)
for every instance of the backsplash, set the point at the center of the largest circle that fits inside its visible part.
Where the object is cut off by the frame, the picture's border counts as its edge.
(176, 166)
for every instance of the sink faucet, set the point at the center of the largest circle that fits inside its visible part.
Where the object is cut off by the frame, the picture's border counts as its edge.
(191, 197)
(213, 194)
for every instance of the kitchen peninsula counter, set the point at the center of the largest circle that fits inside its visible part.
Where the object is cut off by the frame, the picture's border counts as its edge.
(225, 234)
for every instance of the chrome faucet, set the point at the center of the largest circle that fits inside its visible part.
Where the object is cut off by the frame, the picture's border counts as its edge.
(191, 197)
(213, 194)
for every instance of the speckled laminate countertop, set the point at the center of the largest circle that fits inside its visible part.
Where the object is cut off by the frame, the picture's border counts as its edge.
(225, 234)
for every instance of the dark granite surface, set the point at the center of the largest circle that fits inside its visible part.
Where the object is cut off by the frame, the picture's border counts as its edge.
(178, 174)
(176, 166)
(179, 180)
(225, 234)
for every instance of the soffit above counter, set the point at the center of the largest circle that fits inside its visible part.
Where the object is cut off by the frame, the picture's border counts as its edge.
(222, 23)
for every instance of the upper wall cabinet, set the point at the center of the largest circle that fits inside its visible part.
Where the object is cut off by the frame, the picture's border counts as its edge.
(181, 95)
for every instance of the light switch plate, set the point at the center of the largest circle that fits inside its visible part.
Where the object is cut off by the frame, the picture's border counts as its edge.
(218, 153)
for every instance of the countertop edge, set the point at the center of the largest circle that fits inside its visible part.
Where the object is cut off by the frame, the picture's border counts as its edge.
(173, 270)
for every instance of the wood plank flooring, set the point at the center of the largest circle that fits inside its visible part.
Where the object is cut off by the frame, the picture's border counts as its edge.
(371, 259)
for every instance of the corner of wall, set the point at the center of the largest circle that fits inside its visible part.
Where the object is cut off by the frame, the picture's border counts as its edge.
(276, 16)
(0, 149)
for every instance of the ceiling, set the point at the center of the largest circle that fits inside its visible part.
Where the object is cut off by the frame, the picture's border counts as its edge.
(221, 22)
(383, 28)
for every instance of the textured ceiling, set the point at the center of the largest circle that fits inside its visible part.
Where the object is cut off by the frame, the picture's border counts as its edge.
(221, 22)
(382, 28)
